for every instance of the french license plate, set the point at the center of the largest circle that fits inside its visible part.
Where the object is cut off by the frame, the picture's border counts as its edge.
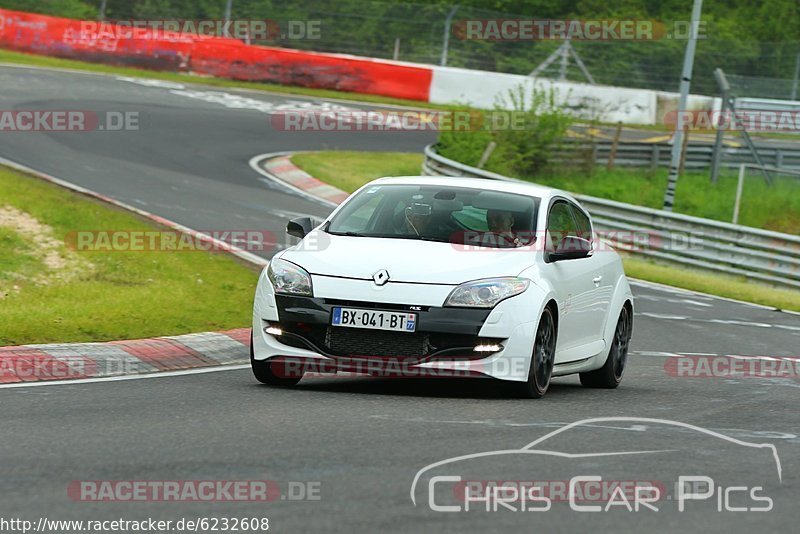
(374, 319)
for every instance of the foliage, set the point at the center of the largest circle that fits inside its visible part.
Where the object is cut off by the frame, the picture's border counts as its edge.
(524, 148)
(75, 9)
(527, 149)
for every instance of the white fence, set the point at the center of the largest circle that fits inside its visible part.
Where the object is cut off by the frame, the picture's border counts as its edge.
(606, 103)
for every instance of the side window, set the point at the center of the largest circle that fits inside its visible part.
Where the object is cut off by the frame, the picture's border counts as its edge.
(584, 226)
(560, 224)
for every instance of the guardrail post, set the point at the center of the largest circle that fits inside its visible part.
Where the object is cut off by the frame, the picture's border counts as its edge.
(739, 187)
(655, 157)
(779, 158)
(716, 156)
(487, 154)
(613, 154)
(684, 148)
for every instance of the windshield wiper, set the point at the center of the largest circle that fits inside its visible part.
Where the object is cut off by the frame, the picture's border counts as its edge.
(349, 234)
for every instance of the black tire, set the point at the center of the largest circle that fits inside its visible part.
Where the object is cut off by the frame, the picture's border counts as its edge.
(542, 359)
(264, 371)
(610, 375)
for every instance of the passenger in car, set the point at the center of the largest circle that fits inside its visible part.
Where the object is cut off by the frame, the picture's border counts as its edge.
(501, 224)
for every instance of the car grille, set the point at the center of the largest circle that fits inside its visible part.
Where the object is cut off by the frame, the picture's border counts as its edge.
(359, 342)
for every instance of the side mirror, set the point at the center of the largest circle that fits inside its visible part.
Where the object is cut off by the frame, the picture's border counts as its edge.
(301, 226)
(571, 248)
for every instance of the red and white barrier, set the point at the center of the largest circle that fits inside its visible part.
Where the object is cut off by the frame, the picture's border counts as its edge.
(222, 57)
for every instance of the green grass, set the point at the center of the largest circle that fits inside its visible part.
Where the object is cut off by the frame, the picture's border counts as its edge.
(775, 207)
(349, 170)
(111, 295)
(17, 257)
(7, 56)
(715, 284)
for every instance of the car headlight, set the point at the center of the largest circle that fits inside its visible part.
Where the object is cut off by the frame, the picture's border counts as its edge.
(288, 278)
(486, 293)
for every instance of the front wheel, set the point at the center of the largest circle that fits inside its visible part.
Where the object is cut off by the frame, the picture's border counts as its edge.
(542, 359)
(610, 375)
(269, 373)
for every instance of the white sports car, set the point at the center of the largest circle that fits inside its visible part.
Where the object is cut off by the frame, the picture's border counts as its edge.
(432, 276)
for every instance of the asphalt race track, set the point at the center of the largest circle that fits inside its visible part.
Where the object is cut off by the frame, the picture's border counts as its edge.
(361, 441)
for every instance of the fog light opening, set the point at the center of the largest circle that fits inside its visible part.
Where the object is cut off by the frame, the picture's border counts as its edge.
(273, 331)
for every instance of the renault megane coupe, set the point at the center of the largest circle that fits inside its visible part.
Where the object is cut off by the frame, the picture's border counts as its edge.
(433, 276)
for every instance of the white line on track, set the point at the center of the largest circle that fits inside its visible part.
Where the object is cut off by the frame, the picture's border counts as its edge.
(729, 322)
(663, 316)
(711, 354)
(680, 291)
(164, 374)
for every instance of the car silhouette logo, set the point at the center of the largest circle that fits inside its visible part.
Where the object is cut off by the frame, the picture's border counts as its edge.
(381, 277)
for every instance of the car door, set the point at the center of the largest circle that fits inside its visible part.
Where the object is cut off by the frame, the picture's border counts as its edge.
(601, 275)
(575, 282)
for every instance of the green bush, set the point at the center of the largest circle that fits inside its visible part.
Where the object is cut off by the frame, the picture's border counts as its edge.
(527, 150)
(464, 147)
(74, 9)
(538, 127)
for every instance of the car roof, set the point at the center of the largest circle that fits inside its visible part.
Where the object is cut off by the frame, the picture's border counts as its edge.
(518, 187)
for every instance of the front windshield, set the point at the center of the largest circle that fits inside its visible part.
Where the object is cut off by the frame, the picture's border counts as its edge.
(439, 213)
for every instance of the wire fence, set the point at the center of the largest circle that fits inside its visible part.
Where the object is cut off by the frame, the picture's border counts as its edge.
(416, 32)
(764, 87)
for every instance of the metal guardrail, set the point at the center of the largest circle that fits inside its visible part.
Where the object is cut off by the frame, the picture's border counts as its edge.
(756, 254)
(655, 155)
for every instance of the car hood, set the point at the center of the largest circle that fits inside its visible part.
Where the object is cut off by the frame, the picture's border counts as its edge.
(406, 260)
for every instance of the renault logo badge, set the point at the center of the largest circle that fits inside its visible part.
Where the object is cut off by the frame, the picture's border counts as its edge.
(381, 277)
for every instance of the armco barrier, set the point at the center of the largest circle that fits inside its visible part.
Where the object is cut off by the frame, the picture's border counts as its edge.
(216, 56)
(698, 157)
(729, 248)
